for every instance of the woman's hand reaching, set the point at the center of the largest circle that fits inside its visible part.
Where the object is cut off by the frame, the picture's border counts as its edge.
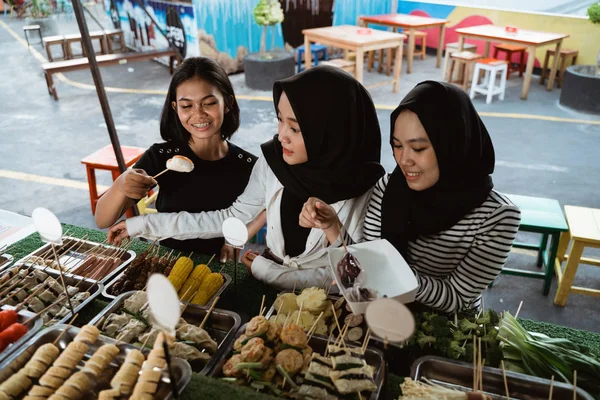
(117, 233)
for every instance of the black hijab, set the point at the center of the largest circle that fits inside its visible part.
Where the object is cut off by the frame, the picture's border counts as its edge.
(465, 156)
(341, 133)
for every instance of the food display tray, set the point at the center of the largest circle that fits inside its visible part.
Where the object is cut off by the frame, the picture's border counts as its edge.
(374, 358)
(221, 325)
(182, 371)
(79, 252)
(32, 326)
(459, 375)
(5, 261)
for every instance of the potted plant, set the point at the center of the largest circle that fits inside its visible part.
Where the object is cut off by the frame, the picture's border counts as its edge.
(594, 13)
(41, 14)
(262, 69)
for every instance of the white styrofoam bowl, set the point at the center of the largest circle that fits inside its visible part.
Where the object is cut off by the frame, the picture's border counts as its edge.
(384, 268)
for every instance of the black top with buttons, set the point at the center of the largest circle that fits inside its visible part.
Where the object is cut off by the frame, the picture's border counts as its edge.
(211, 186)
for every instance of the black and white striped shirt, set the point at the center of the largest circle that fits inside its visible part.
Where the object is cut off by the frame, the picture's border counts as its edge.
(455, 266)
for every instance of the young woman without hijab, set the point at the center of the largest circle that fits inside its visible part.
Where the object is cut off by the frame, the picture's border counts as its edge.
(438, 207)
(328, 146)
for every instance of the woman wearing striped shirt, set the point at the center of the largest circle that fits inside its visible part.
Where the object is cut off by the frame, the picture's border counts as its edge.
(438, 207)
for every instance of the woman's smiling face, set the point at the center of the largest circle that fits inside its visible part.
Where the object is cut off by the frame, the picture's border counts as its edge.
(414, 152)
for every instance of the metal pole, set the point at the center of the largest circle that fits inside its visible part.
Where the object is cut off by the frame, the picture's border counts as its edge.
(100, 91)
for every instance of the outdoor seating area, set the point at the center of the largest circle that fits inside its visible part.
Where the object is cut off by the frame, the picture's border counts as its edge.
(268, 199)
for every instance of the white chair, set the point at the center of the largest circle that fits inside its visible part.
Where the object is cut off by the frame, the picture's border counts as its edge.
(451, 48)
(492, 67)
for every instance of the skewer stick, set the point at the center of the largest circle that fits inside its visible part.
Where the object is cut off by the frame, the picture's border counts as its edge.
(66, 329)
(34, 293)
(299, 312)
(337, 323)
(286, 320)
(212, 307)
(324, 282)
(208, 263)
(294, 288)
(146, 341)
(160, 173)
(62, 280)
(505, 381)
(575, 385)
(480, 365)
(44, 310)
(327, 347)
(474, 364)
(366, 340)
(312, 329)
(342, 236)
(119, 338)
(329, 288)
(518, 309)
(360, 396)
(551, 387)
(99, 322)
(11, 287)
(283, 384)
(262, 303)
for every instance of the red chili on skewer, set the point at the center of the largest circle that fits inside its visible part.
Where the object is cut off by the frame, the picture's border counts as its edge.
(7, 318)
(12, 334)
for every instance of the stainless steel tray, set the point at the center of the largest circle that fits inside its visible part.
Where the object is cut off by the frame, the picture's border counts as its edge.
(33, 326)
(5, 261)
(374, 358)
(226, 282)
(80, 255)
(84, 286)
(221, 325)
(459, 375)
(181, 369)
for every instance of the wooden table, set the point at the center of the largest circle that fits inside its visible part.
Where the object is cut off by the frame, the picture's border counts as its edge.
(360, 40)
(531, 39)
(409, 24)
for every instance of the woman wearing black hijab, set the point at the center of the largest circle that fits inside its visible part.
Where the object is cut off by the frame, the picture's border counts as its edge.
(328, 146)
(438, 207)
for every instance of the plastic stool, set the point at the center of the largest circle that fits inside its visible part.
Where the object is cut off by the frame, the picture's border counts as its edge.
(315, 49)
(491, 66)
(105, 159)
(453, 48)
(261, 235)
(29, 28)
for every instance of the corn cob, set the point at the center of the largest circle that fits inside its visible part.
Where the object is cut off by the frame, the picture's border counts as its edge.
(180, 272)
(208, 287)
(192, 283)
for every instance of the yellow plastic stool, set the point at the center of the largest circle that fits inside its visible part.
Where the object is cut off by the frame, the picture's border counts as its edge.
(584, 230)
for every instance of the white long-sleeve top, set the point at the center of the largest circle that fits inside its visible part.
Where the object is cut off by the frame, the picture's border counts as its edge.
(264, 191)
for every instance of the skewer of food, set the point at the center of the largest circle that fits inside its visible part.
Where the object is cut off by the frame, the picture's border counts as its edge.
(132, 324)
(177, 164)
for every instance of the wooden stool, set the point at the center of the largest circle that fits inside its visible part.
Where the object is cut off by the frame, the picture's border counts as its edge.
(423, 37)
(389, 53)
(54, 40)
(584, 230)
(29, 28)
(69, 40)
(543, 216)
(509, 49)
(453, 48)
(110, 35)
(466, 60)
(346, 65)
(564, 54)
(105, 159)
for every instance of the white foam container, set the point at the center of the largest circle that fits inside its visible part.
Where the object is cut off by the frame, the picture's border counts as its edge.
(384, 268)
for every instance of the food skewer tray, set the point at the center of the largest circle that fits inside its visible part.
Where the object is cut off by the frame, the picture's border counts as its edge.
(80, 255)
(181, 369)
(226, 282)
(74, 280)
(33, 327)
(221, 325)
(459, 375)
(374, 358)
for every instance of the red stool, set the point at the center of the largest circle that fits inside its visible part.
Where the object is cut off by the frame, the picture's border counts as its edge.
(509, 49)
(105, 159)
